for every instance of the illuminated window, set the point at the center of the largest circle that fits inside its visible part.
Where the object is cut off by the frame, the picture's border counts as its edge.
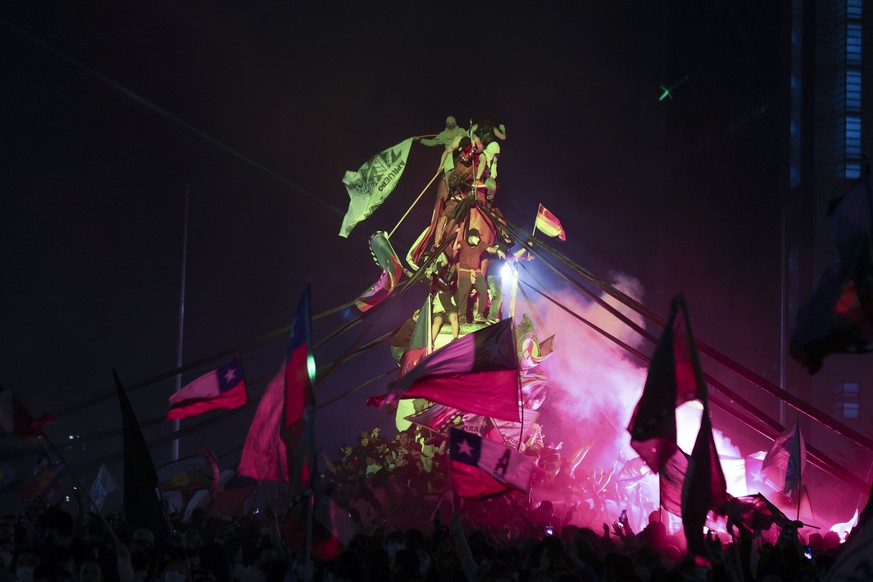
(847, 402)
(849, 57)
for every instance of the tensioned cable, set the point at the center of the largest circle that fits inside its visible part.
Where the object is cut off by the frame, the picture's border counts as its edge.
(164, 113)
(805, 408)
(819, 459)
(251, 343)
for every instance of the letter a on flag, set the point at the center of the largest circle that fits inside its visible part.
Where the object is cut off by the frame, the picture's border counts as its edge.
(482, 467)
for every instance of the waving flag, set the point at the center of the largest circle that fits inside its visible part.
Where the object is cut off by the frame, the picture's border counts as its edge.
(263, 456)
(43, 461)
(187, 476)
(418, 343)
(143, 506)
(753, 513)
(43, 483)
(548, 224)
(221, 388)
(483, 467)
(372, 183)
(786, 460)
(392, 271)
(704, 487)
(280, 446)
(103, 485)
(298, 421)
(477, 373)
(436, 417)
(16, 420)
(670, 481)
(674, 377)
(531, 351)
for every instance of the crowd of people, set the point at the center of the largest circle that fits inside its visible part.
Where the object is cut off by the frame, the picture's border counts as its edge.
(406, 523)
(415, 463)
(455, 542)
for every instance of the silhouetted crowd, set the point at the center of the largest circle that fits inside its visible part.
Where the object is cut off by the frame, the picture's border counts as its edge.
(47, 544)
(378, 473)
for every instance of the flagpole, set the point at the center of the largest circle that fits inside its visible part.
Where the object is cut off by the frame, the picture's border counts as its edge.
(799, 472)
(429, 328)
(174, 453)
(440, 169)
(307, 555)
(514, 298)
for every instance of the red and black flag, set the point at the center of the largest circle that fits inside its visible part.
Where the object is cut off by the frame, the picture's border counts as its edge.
(477, 373)
(674, 378)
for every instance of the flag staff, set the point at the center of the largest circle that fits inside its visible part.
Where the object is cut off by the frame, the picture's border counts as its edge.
(408, 210)
(174, 453)
(512, 301)
(307, 555)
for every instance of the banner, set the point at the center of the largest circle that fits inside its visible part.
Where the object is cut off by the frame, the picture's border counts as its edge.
(372, 183)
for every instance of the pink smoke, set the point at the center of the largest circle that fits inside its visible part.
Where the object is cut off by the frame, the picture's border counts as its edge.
(594, 384)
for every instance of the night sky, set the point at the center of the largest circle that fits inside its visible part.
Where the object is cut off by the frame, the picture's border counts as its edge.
(111, 112)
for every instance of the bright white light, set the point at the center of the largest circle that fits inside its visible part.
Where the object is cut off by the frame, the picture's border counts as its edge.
(507, 273)
(687, 422)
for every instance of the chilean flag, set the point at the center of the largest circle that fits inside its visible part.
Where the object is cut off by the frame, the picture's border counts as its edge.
(221, 388)
(298, 421)
(482, 468)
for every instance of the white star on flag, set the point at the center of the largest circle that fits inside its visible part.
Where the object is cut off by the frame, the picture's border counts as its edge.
(465, 448)
(229, 375)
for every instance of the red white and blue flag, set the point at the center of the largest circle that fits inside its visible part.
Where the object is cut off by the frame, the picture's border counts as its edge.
(298, 423)
(263, 456)
(482, 467)
(280, 444)
(224, 387)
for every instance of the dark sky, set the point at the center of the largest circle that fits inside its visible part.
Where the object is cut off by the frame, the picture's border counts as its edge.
(105, 109)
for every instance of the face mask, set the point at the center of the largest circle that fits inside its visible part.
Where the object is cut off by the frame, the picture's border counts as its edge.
(24, 573)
